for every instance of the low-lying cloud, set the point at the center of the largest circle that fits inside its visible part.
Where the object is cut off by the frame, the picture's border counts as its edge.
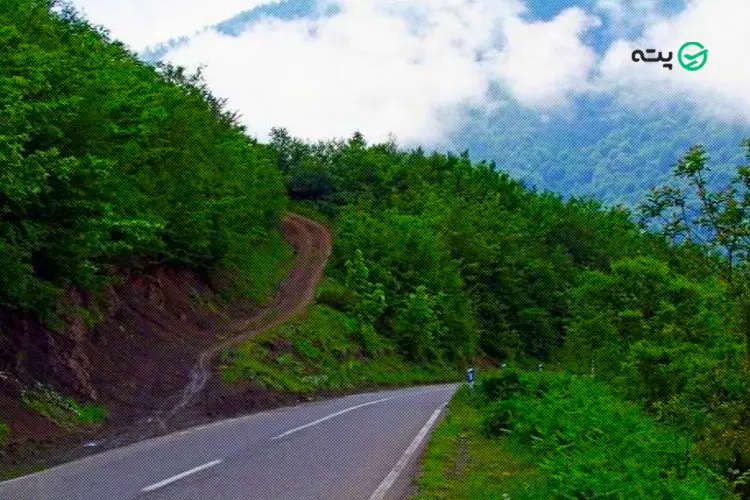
(141, 23)
(414, 67)
(719, 90)
(407, 67)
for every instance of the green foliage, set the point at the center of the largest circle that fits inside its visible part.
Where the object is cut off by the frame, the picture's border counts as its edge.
(472, 262)
(594, 445)
(108, 162)
(495, 259)
(64, 411)
(462, 463)
(500, 386)
(335, 295)
(417, 326)
(255, 265)
(661, 338)
(4, 435)
(323, 350)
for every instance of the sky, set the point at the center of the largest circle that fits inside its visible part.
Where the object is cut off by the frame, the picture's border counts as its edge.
(415, 68)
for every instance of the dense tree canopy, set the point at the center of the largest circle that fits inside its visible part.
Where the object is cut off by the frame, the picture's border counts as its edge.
(474, 263)
(108, 162)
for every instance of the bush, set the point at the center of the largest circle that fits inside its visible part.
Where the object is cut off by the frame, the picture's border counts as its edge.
(333, 294)
(4, 434)
(501, 386)
(594, 445)
(497, 418)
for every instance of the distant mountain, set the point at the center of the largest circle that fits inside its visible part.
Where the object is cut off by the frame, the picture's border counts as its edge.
(600, 149)
(234, 26)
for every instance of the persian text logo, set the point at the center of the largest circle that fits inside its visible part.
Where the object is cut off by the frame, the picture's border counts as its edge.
(692, 56)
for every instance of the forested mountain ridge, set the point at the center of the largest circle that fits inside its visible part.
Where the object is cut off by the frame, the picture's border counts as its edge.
(601, 150)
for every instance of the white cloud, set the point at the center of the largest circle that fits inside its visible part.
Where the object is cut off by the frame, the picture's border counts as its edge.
(414, 67)
(625, 17)
(408, 67)
(544, 63)
(141, 23)
(719, 90)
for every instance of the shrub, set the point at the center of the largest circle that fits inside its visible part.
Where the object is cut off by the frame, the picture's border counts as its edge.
(333, 294)
(594, 445)
(501, 386)
(4, 434)
(497, 418)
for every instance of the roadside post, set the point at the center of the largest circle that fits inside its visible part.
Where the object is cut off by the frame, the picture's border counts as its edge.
(470, 379)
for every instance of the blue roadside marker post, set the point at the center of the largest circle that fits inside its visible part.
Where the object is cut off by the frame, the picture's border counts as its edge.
(470, 379)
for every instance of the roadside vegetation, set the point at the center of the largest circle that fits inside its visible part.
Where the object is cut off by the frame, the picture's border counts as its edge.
(453, 262)
(64, 411)
(530, 435)
(462, 462)
(320, 351)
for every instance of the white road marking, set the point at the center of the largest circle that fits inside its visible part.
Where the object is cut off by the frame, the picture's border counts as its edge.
(185, 474)
(392, 476)
(329, 417)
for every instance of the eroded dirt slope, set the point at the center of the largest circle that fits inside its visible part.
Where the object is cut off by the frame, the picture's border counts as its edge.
(151, 355)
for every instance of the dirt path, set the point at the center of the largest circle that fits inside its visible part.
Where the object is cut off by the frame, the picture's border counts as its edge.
(152, 355)
(312, 245)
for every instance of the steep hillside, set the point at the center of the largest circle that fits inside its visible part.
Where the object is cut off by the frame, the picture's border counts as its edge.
(132, 207)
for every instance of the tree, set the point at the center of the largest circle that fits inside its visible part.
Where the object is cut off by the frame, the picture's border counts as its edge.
(418, 326)
(717, 218)
(369, 301)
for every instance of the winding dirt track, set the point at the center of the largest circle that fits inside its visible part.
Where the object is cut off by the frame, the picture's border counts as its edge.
(312, 245)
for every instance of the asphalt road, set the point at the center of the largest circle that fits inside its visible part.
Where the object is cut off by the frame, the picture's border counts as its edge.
(358, 447)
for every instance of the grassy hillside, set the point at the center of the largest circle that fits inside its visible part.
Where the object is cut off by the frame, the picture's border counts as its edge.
(320, 352)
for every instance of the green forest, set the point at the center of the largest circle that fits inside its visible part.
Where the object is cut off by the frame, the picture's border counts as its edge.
(641, 317)
(109, 163)
(456, 262)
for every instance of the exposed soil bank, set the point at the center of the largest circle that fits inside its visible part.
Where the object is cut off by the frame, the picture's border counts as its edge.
(155, 334)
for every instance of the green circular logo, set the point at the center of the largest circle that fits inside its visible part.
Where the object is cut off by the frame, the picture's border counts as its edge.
(692, 56)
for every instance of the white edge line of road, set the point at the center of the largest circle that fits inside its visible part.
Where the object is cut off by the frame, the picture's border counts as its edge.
(392, 476)
(177, 477)
(329, 417)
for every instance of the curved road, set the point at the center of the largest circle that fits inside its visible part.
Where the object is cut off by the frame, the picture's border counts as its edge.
(356, 447)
